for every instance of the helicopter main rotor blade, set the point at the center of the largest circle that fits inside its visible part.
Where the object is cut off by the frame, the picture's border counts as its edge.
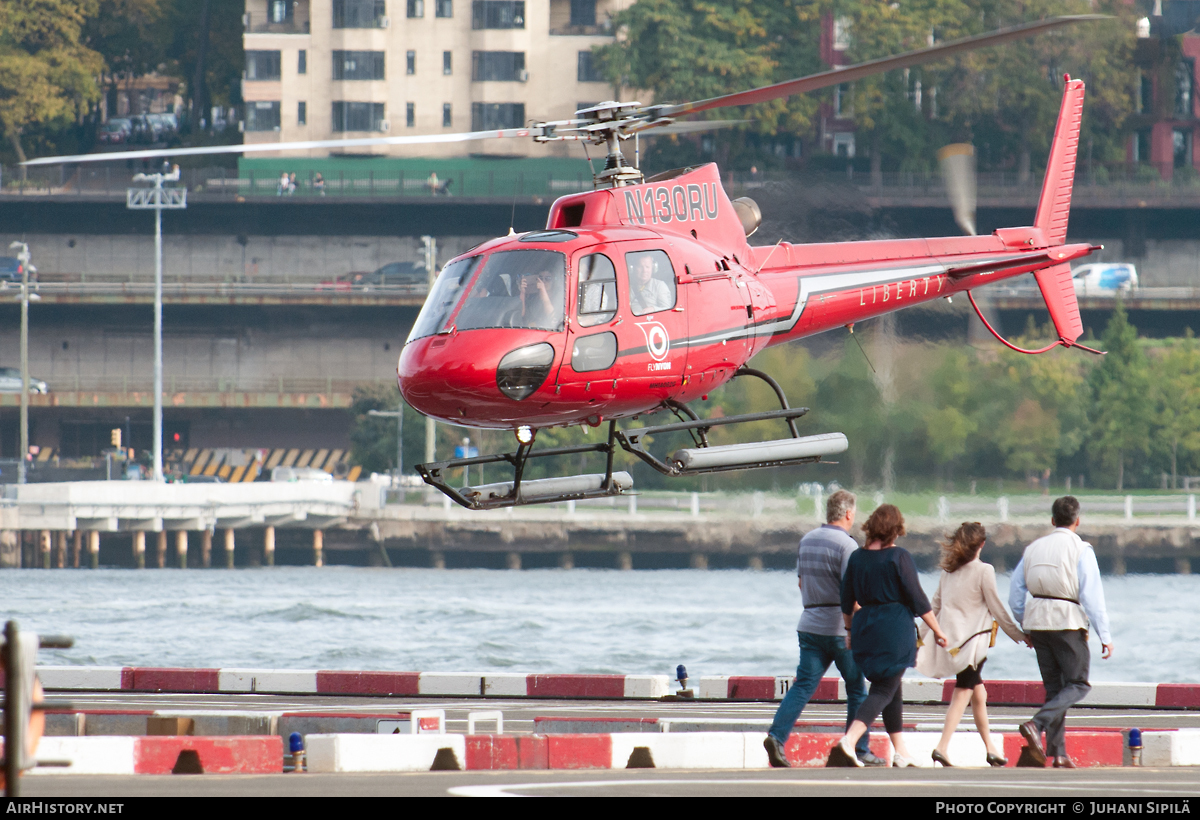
(691, 127)
(360, 142)
(857, 72)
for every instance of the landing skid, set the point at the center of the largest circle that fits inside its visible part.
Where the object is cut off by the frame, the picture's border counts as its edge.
(519, 492)
(703, 458)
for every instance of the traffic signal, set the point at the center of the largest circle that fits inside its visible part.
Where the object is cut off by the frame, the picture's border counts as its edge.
(116, 437)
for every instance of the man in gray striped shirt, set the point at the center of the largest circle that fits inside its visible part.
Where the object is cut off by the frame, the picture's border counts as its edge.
(823, 556)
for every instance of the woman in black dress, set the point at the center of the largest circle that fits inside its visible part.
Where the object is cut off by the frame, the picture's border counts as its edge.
(880, 597)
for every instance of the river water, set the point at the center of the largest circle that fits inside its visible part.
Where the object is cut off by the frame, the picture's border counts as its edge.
(717, 622)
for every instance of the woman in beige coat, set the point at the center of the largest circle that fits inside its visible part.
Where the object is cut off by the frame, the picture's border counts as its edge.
(965, 604)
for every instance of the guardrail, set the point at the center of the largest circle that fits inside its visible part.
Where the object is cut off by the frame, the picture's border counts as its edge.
(945, 509)
(205, 384)
(109, 180)
(90, 285)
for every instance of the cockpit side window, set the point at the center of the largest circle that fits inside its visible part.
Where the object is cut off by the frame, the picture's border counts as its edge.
(524, 289)
(443, 296)
(651, 282)
(597, 290)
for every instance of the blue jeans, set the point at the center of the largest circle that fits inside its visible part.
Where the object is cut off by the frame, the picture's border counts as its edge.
(817, 652)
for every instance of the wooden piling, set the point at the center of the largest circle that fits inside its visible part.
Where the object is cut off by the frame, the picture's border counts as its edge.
(181, 545)
(94, 549)
(44, 549)
(206, 548)
(160, 549)
(318, 548)
(229, 548)
(60, 549)
(269, 547)
(76, 547)
(512, 560)
(139, 549)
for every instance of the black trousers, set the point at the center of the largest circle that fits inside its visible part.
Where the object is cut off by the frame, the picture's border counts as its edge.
(1063, 658)
(885, 696)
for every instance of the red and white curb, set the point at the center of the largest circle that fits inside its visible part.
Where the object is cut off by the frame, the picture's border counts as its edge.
(434, 751)
(256, 754)
(310, 681)
(697, 750)
(601, 687)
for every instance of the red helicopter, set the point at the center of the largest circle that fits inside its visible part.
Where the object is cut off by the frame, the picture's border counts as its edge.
(642, 296)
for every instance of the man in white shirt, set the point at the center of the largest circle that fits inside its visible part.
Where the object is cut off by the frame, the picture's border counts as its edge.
(1061, 577)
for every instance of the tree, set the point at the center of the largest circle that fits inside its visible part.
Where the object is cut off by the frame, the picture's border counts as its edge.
(1177, 401)
(373, 438)
(47, 76)
(130, 35)
(949, 424)
(1121, 398)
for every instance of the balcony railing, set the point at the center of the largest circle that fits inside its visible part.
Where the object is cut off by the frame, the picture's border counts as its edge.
(259, 25)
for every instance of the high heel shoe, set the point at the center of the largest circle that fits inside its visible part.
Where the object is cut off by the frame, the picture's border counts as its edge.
(938, 757)
(996, 761)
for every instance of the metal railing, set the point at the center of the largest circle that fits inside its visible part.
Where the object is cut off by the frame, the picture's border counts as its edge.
(283, 385)
(109, 180)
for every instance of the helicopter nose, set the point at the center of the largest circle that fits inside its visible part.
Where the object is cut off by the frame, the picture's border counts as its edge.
(458, 378)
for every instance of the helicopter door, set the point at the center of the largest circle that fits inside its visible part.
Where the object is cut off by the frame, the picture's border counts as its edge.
(590, 370)
(655, 335)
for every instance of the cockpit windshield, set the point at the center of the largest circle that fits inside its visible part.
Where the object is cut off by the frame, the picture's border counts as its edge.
(523, 289)
(443, 297)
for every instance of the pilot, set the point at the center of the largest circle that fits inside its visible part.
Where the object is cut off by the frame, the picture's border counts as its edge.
(541, 299)
(647, 294)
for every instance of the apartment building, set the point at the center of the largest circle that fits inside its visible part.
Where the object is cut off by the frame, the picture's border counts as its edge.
(324, 69)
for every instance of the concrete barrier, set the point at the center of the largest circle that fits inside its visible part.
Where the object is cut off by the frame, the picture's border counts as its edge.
(261, 754)
(98, 678)
(505, 684)
(440, 683)
(385, 753)
(609, 687)
(694, 750)
(282, 681)
(87, 755)
(1121, 694)
(1180, 747)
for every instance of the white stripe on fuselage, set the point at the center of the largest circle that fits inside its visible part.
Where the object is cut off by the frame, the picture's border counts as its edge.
(815, 284)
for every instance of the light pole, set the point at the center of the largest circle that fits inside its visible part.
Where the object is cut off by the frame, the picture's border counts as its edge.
(23, 256)
(399, 415)
(431, 271)
(156, 199)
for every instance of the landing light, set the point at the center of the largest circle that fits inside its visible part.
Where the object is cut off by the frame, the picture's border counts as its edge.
(525, 434)
(522, 371)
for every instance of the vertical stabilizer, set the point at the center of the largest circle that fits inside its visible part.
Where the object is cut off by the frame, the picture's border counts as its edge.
(1054, 207)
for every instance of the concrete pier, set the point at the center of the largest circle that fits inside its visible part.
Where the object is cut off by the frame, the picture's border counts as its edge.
(229, 549)
(76, 547)
(269, 547)
(698, 560)
(181, 548)
(318, 548)
(624, 560)
(139, 549)
(437, 559)
(44, 547)
(754, 562)
(206, 549)
(160, 549)
(512, 560)
(93, 549)
(566, 561)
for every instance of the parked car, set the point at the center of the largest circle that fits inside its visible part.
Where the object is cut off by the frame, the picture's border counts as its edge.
(1104, 278)
(165, 123)
(10, 382)
(11, 269)
(393, 273)
(114, 132)
(299, 474)
(145, 130)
